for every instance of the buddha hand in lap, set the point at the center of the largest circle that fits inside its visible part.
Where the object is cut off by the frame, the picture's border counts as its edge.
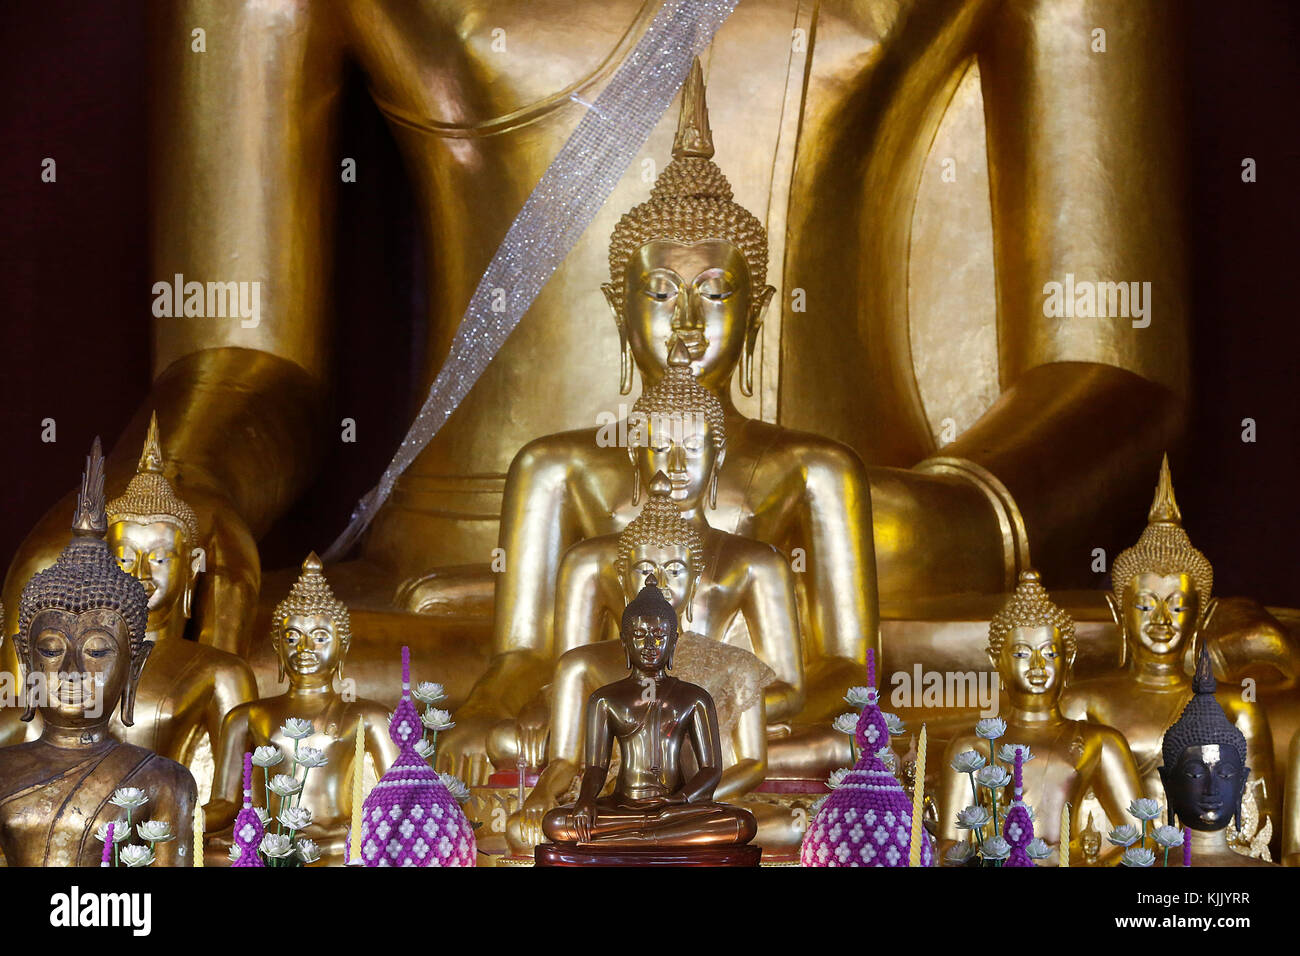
(655, 717)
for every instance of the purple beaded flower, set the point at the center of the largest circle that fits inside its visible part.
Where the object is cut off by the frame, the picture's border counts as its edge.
(248, 825)
(409, 818)
(867, 819)
(1018, 829)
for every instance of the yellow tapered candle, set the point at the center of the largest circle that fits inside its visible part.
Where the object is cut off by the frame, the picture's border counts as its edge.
(1064, 859)
(198, 836)
(918, 803)
(358, 772)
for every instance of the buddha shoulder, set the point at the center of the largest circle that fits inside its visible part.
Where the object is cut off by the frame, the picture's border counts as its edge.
(561, 453)
(791, 447)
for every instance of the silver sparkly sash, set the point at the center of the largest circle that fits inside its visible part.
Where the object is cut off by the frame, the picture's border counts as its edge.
(565, 201)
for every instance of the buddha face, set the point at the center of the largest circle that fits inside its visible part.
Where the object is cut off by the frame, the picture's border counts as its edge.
(156, 555)
(682, 447)
(1090, 843)
(649, 640)
(1204, 789)
(309, 647)
(1160, 611)
(1032, 661)
(674, 569)
(698, 292)
(84, 662)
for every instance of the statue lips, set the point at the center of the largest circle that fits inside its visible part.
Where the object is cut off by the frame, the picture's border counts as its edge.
(305, 662)
(1161, 640)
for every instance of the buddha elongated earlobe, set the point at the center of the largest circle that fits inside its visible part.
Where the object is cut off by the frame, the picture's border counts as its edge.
(279, 660)
(713, 477)
(138, 660)
(757, 312)
(690, 596)
(636, 477)
(626, 365)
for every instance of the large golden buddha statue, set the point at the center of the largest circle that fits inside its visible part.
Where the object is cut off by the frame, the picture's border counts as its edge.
(659, 800)
(1032, 645)
(82, 642)
(703, 575)
(189, 687)
(1161, 599)
(311, 633)
(878, 336)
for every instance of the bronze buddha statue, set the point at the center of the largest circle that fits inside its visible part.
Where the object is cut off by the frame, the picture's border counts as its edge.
(730, 588)
(1032, 645)
(311, 634)
(188, 687)
(660, 800)
(82, 641)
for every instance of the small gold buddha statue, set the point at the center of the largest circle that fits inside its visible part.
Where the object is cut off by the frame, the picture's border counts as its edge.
(1204, 773)
(1161, 599)
(189, 687)
(716, 582)
(1032, 645)
(660, 800)
(311, 634)
(82, 644)
(688, 272)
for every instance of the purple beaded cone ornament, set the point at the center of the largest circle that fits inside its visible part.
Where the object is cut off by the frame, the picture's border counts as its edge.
(1018, 828)
(248, 825)
(867, 819)
(409, 818)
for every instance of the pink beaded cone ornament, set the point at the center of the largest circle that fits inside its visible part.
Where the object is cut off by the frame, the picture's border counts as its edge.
(409, 818)
(867, 819)
(248, 825)
(1018, 828)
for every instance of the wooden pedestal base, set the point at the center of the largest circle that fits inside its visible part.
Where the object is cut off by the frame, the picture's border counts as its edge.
(552, 854)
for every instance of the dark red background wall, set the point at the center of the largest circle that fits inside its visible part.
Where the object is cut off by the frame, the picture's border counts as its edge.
(75, 280)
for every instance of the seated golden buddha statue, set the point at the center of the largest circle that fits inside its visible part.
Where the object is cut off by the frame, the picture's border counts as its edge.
(82, 642)
(660, 800)
(677, 444)
(833, 139)
(688, 275)
(1032, 645)
(1204, 773)
(702, 575)
(311, 633)
(189, 687)
(1161, 599)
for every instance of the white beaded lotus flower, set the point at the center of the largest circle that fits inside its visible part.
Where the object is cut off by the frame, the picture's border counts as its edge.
(968, 761)
(154, 831)
(846, 723)
(267, 757)
(295, 728)
(135, 856)
(129, 798)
